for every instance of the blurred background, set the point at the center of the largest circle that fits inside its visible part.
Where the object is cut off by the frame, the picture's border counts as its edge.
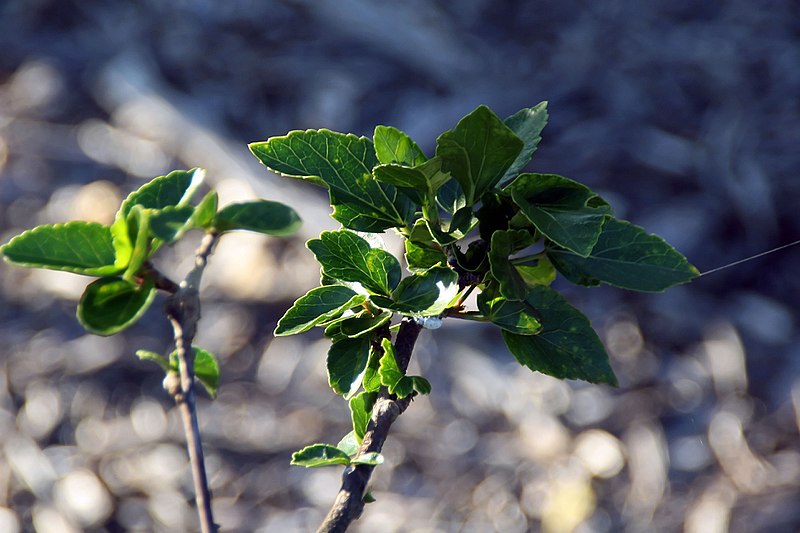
(684, 114)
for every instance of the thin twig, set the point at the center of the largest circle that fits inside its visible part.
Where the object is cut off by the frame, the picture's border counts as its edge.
(183, 310)
(349, 503)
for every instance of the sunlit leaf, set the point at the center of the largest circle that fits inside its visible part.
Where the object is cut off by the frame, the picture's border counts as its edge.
(320, 455)
(316, 307)
(109, 305)
(262, 216)
(347, 362)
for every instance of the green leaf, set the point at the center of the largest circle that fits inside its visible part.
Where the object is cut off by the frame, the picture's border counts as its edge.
(361, 412)
(170, 223)
(420, 257)
(205, 212)
(346, 256)
(455, 229)
(517, 317)
(565, 211)
(527, 124)
(372, 380)
(362, 323)
(316, 307)
(138, 224)
(389, 373)
(347, 362)
(174, 189)
(626, 256)
(420, 384)
(349, 444)
(369, 458)
(504, 244)
(109, 305)
(426, 293)
(401, 176)
(157, 358)
(567, 347)
(394, 146)
(343, 164)
(320, 455)
(478, 151)
(263, 216)
(535, 270)
(451, 196)
(78, 247)
(206, 369)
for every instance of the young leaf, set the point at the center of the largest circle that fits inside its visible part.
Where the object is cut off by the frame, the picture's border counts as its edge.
(516, 317)
(78, 247)
(362, 323)
(109, 305)
(317, 306)
(535, 270)
(478, 151)
(347, 362)
(206, 369)
(527, 124)
(567, 347)
(138, 224)
(420, 257)
(169, 223)
(175, 189)
(343, 164)
(346, 256)
(320, 455)
(420, 384)
(372, 379)
(389, 373)
(205, 212)
(394, 146)
(349, 444)
(626, 256)
(263, 216)
(426, 293)
(562, 209)
(157, 358)
(463, 221)
(504, 244)
(361, 412)
(451, 197)
(369, 458)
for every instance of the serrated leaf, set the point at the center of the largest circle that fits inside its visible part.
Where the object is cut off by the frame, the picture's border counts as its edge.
(175, 189)
(362, 323)
(514, 316)
(206, 369)
(170, 223)
(369, 458)
(263, 216)
(504, 244)
(361, 412)
(109, 305)
(567, 347)
(527, 124)
(320, 455)
(394, 146)
(478, 151)
(78, 247)
(389, 373)
(343, 164)
(317, 306)
(372, 380)
(426, 293)
(157, 358)
(347, 361)
(626, 256)
(561, 209)
(346, 256)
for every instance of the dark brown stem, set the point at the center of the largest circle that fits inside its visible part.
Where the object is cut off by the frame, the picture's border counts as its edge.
(183, 310)
(349, 503)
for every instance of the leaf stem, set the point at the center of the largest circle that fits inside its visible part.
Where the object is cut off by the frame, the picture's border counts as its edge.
(349, 503)
(183, 310)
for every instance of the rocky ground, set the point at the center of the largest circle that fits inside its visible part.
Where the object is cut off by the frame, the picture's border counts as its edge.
(684, 115)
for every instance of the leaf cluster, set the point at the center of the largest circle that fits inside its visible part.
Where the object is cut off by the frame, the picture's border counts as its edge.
(471, 220)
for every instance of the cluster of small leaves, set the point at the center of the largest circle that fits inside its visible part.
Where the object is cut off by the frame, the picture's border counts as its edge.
(470, 219)
(158, 213)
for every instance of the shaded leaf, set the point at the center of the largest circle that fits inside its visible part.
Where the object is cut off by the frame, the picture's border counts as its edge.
(567, 347)
(362, 323)
(206, 211)
(262, 216)
(504, 244)
(394, 146)
(347, 362)
(455, 229)
(536, 270)
(138, 224)
(527, 124)
(369, 458)
(426, 293)
(109, 305)
(206, 369)
(420, 257)
(78, 247)
(361, 412)
(170, 223)
(316, 307)
(320, 455)
(451, 197)
(561, 209)
(514, 316)
(477, 152)
(174, 189)
(626, 256)
(346, 256)
(157, 358)
(343, 164)
(389, 373)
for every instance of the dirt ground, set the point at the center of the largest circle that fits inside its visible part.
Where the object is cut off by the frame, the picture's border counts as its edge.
(684, 114)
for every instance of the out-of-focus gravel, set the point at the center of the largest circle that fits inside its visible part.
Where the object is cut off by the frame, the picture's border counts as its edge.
(684, 114)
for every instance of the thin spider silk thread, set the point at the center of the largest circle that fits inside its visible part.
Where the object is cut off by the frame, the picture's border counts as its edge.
(746, 259)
